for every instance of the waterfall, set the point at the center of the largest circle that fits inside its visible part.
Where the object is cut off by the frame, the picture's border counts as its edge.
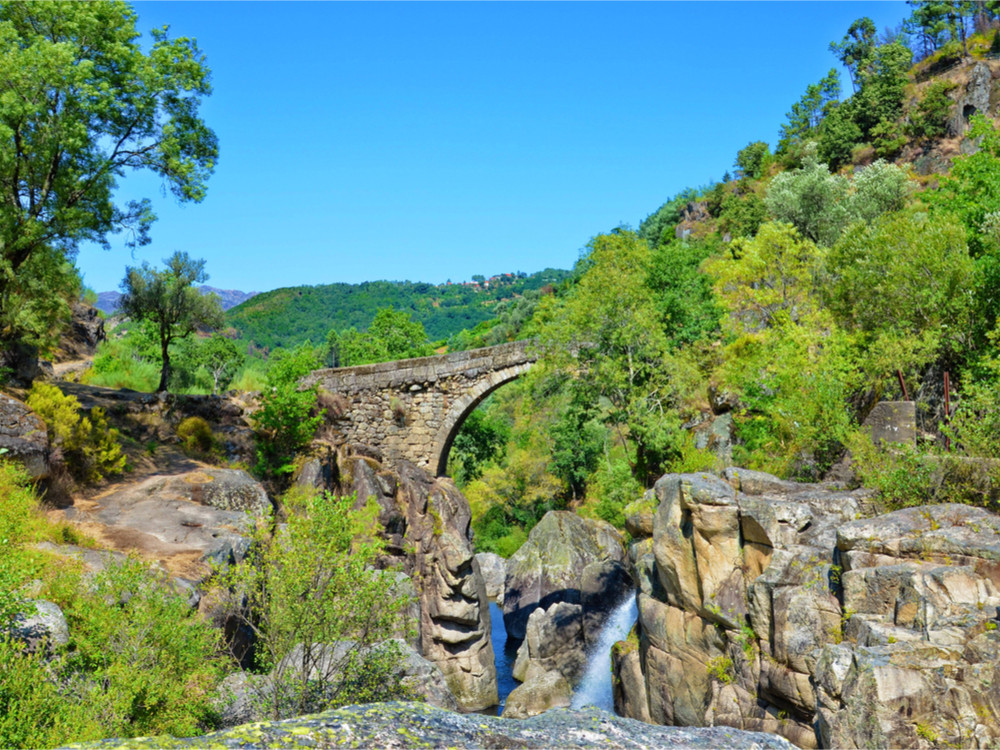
(595, 687)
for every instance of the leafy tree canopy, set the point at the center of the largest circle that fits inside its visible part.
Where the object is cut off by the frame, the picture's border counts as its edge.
(169, 299)
(81, 106)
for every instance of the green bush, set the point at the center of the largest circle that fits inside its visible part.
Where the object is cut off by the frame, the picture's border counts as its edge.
(284, 423)
(902, 475)
(89, 444)
(312, 584)
(614, 488)
(17, 502)
(196, 435)
(930, 119)
(151, 663)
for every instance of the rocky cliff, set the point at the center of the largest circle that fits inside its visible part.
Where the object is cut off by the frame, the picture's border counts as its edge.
(779, 607)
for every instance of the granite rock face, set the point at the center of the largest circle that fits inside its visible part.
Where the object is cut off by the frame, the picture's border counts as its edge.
(775, 606)
(186, 522)
(561, 586)
(24, 437)
(417, 725)
(426, 524)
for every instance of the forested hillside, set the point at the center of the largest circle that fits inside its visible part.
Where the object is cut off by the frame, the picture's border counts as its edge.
(290, 316)
(756, 321)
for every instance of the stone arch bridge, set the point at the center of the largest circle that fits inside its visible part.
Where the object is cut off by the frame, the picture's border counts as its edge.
(412, 409)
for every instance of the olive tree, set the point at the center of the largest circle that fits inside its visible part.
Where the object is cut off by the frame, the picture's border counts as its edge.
(169, 299)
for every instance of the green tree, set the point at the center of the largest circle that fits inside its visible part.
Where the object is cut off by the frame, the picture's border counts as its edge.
(752, 159)
(905, 282)
(611, 321)
(811, 199)
(83, 105)
(857, 49)
(880, 188)
(807, 113)
(171, 301)
(480, 440)
(222, 358)
(285, 423)
(683, 294)
(391, 335)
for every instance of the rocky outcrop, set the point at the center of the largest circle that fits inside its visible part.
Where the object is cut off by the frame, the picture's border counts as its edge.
(540, 691)
(186, 522)
(40, 626)
(426, 524)
(494, 571)
(975, 100)
(84, 333)
(23, 437)
(772, 606)
(418, 725)
(561, 586)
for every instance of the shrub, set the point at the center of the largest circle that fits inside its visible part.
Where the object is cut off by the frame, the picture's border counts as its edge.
(89, 444)
(903, 476)
(16, 504)
(196, 436)
(283, 423)
(152, 662)
(930, 120)
(310, 587)
(614, 487)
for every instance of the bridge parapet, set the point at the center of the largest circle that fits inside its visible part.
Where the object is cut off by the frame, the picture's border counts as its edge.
(411, 409)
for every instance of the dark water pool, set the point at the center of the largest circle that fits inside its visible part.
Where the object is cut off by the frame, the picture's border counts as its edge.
(504, 655)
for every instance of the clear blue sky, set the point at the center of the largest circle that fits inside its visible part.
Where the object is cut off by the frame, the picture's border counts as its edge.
(435, 141)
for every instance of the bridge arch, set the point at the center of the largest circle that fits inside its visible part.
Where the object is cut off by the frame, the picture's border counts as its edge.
(412, 409)
(463, 407)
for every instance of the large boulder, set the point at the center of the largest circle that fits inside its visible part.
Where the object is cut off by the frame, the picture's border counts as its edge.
(776, 606)
(540, 691)
(23, 437)
(494, 570)
(566, 558)
(418, 725)
(186, 522)
(40, 626)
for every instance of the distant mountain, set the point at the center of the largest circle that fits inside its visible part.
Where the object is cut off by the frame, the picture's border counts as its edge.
(287, 317)
(108, 301)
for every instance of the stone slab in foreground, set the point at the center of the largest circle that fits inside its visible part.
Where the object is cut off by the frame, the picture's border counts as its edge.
(417, 725)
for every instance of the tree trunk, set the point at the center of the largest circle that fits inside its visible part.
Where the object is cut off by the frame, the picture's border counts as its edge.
(165, 370)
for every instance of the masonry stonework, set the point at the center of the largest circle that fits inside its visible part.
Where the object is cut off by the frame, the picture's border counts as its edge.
(412, 409)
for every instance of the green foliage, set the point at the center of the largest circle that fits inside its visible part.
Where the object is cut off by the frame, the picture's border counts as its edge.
(93, 102)
(971, 190)
(33, 710)
(391, 335)
(284, 422)
(196, 435)
(288, 317)
(882, 87)
(128, 358)
(15, 524)
(752, 160)
(721, 668)
(839, 134)
(930, 118)
(578, 437)
(614, 488)
(880, 188)
(902, 475)
(807, 113)
(169, 298)
(856, 51)
(904, 282)
(888, 139)
(742, 215)
(658, 227)
(153, 663)
(811, 199)
(683, 294)
(89, 445)
(480, 440)
(311, 586)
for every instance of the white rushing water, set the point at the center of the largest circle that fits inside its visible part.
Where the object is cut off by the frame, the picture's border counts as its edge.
(595, 688)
